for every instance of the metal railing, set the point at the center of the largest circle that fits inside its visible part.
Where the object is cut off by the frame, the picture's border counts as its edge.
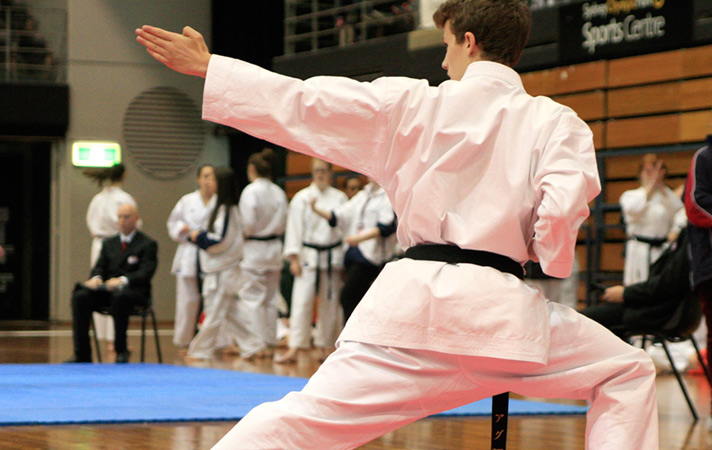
(33, 44)
(311, 25)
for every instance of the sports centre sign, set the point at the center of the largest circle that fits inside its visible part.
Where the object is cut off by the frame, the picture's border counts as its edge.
(613, 28)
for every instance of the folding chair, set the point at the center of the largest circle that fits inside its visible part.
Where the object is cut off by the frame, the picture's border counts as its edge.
(142, 311)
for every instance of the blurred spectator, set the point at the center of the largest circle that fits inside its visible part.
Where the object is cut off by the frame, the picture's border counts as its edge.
(188, 214)
(648, 212)
(103, 222)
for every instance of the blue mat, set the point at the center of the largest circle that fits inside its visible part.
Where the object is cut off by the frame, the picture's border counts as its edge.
(44, 394)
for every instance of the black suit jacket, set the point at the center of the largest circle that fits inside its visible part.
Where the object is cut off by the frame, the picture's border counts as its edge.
(137, 263)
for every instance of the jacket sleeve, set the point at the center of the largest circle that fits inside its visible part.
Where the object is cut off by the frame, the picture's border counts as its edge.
(175, 222)
(294, 232)
(101, 267)
(566, 180)
(323, 117)
(703, 181)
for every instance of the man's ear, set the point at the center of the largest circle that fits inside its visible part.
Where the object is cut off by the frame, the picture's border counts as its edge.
(471, 43)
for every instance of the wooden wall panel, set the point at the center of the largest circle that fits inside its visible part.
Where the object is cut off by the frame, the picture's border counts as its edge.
(639, 132)
(627, 166)
(298, 164)
(567, 80)
(612, 257)
(588, 106)
(291, 187)
(637, 70)
(697, 61)
(599, 134)
(614, 189)
(634, 101)
(694, 127)
(696, 94)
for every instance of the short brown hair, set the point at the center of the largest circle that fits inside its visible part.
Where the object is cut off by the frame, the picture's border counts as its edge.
(501, 27)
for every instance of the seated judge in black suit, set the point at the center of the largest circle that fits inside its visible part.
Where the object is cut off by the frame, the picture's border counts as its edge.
(120, 279)
(652, 303)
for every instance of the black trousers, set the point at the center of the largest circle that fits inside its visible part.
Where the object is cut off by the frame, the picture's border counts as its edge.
(704, 292)
(120, 303)
(610, 315)
(357, 279)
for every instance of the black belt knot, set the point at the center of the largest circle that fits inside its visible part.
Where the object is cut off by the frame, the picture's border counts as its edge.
(452, 254)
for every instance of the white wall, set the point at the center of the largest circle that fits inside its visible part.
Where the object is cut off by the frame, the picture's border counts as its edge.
(106, 69)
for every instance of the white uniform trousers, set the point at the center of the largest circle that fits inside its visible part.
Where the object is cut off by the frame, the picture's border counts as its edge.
(187, 306)
(363, 391)
(330, 315)
(223, 310)
(258, 292)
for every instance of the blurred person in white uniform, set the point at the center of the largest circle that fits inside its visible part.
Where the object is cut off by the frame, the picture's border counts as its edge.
(649, 215)
(315, 254)
(221, 241)
(263, 209)
(188, 215)
(369, 224)
(482, 177)
(103, 222)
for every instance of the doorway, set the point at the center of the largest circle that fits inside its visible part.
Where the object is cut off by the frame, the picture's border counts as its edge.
(25, 230)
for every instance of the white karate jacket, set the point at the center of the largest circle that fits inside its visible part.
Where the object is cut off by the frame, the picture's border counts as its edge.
(476, 163)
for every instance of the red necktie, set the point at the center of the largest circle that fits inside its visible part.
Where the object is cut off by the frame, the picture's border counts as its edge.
(123, 246)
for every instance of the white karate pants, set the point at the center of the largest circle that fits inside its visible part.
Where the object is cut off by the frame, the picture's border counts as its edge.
(330, 315)
(224, 310)
(187, 306)
(363, 391)
(258, 292)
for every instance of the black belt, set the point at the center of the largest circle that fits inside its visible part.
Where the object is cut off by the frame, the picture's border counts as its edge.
(653, 242)
(454, 255)
(269, 237)
(321, 249)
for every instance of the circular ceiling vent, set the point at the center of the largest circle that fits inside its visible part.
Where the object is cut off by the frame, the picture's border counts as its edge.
(164, 132)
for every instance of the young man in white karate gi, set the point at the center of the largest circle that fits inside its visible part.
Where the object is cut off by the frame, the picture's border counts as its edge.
(489, 177)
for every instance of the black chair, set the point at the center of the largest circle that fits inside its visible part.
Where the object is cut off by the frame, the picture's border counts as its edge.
(143, 311)
(679, 328)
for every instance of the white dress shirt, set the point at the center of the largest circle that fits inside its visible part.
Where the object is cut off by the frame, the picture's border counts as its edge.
(476, 163)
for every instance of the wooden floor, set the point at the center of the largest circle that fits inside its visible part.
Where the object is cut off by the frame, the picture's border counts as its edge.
(677, 430)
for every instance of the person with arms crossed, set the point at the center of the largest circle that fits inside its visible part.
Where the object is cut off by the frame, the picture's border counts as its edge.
(482, 177)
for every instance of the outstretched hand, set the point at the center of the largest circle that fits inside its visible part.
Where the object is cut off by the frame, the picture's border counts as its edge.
(185, 53)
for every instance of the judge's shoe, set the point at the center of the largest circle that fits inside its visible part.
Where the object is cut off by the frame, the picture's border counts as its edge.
(76, 359)
(123, 357)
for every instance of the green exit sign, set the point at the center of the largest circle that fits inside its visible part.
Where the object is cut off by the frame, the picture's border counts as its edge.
(95, 154)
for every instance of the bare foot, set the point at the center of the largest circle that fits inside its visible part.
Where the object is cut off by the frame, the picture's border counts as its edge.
(289, 357)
